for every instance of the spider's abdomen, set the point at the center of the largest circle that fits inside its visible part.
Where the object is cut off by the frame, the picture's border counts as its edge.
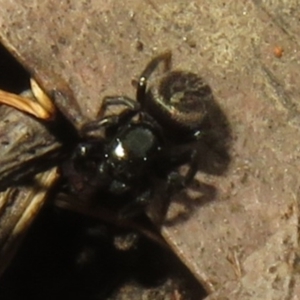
(180, 100)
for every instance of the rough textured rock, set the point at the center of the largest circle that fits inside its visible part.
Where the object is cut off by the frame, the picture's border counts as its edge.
(240, 241)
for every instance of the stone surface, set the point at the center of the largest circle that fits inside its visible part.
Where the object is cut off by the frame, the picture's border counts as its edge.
(240, 241)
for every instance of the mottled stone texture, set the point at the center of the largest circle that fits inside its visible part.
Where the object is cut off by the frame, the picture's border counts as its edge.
(242, 241)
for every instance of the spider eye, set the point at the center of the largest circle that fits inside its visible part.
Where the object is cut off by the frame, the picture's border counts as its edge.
(82, 150)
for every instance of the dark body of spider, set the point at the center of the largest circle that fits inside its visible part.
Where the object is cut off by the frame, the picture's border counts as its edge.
(143, 145)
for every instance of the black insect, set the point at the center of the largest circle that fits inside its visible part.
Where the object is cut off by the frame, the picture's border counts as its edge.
(142, 147)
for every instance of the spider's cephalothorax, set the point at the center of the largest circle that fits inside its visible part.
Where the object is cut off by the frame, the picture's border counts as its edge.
(144, 144)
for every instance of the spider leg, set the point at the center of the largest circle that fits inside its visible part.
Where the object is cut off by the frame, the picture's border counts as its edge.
(137, 206)
(192, 158)
(142, 83)
(113, 120)
(177, 181)
(117, 100)
(192, 169)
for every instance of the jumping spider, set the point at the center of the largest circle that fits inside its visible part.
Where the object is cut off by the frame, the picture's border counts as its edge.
(144, 144)
(139, 149)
